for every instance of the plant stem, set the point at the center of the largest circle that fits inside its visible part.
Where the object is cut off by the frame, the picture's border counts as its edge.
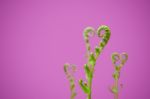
(89, 96)
(90, 86)
(116, 86)
(90, 83)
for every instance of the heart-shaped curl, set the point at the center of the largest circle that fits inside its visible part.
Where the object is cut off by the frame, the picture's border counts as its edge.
(89, 31)
(119, 60)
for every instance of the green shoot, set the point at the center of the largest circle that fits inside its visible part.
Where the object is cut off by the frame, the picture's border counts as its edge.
(118, 61)
(69, 71)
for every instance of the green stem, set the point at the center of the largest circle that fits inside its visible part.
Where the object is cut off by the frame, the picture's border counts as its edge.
(90, 86)
(116, 85)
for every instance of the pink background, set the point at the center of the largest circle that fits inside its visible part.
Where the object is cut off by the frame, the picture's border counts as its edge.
(38, 37)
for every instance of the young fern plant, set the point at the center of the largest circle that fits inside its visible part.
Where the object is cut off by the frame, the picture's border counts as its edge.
(92, 56)
(69, 71)
(118, 61)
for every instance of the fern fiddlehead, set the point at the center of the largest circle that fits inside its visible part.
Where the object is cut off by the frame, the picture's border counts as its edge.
(92, 56)
(69, 71)
(118, 61)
